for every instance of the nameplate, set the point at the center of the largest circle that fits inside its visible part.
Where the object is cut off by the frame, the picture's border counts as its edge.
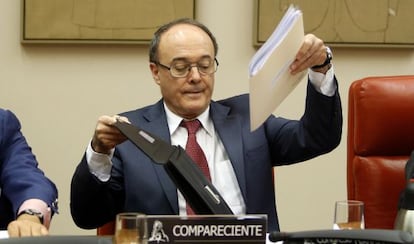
(207, 229)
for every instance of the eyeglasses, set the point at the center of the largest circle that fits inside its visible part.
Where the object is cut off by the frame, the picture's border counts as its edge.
(179, 68)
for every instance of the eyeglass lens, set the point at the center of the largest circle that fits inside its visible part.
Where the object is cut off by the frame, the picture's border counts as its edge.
(182, 68)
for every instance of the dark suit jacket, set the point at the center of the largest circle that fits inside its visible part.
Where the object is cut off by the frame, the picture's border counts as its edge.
(137, 184)
(20, 177)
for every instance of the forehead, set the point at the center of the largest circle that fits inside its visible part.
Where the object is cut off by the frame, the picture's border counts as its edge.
(185, 41)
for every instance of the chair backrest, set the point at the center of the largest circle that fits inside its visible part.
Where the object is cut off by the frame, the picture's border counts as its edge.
(107, 229)
(380, 141)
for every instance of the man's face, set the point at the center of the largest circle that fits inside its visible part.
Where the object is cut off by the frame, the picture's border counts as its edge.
(186, 96)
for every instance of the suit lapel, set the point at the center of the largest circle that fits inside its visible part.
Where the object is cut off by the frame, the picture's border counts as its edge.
(156, 122)
(229, 129)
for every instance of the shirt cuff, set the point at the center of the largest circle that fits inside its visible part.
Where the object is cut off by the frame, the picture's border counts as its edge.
(99, 164)
(38, 205)
(323, 83)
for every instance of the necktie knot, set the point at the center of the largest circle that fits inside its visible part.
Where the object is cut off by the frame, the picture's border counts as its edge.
(192, 126)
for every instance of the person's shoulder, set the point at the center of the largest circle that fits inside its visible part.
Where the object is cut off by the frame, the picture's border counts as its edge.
(7, 115)
(9, 123)
(242, 98)
(3, 112)
(149, 109)
(234, 105)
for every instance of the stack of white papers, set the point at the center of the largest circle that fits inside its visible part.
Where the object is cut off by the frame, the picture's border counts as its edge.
(269, 74)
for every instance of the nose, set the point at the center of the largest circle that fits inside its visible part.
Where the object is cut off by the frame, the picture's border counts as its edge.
(194, 73)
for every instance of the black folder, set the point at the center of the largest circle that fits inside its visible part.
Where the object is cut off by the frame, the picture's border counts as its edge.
(202, 196)
(357, 236)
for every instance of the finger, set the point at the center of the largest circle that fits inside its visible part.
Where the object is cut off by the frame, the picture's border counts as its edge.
(44, 231)
(122, 119)
(39, 230)
(103, 143)
(107, 120)
(302, 56)
(13, 229)
(107, 142)
(25, 230)
(305, 51)
(310, 54)
(110, 120)
(105, 133)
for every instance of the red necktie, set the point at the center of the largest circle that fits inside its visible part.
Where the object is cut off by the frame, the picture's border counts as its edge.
(194, 150)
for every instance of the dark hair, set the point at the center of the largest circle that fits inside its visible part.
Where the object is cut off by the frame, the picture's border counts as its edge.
(155, 42)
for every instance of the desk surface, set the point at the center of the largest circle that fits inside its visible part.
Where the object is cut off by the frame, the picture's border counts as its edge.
(60, 240)
(66, 240)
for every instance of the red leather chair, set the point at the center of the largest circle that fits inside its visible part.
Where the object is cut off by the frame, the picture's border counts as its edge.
(380, 141)
(107, 229)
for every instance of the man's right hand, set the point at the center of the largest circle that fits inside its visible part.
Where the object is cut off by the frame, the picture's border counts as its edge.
(106, 135)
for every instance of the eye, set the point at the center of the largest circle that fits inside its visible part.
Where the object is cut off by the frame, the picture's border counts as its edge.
(181, 67)
(204, 64)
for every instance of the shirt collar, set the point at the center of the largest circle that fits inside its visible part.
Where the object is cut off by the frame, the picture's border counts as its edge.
(174, 120)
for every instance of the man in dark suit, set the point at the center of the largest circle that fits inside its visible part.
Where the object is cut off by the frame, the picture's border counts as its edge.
(28, 199)
(114, 176)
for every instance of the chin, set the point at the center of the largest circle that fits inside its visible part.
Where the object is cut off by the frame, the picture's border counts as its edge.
(194, 111)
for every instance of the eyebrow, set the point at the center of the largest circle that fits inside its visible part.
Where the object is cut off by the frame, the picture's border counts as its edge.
(188, 61)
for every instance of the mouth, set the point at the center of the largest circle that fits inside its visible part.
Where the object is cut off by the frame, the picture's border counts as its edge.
(194, 92)
(194, 95)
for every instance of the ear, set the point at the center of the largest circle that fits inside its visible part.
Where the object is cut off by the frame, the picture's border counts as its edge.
(155, 72)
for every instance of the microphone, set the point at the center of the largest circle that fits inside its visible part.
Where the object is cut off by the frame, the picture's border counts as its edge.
(356, 236)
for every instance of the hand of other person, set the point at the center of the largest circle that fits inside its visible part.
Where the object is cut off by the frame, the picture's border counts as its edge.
(106, 135)
(311, 53)
(26, 225)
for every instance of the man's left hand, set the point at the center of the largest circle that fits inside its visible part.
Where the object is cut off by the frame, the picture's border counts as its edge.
(311, 53)
(26, 225)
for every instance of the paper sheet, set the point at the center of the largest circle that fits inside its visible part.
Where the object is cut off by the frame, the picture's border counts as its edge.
(270, 78)
(4, 234)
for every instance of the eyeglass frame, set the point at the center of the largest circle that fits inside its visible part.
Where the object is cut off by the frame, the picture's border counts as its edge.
(189, 68)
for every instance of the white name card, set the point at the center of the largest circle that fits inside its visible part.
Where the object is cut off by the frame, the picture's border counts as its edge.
(207, 229)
